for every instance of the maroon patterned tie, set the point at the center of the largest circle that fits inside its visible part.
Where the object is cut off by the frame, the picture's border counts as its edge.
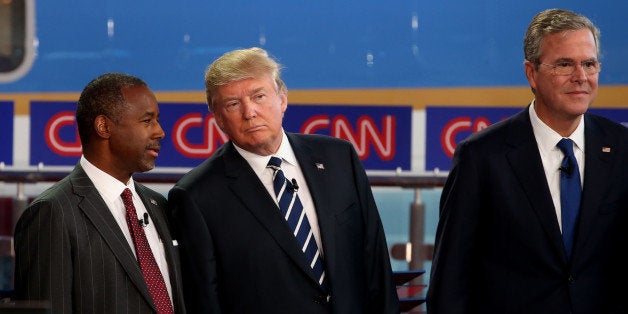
(150, 270)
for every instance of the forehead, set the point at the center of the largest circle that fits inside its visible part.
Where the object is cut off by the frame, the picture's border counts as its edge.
(572, 44)
(244, 86)
(139, 98)
(134, 94)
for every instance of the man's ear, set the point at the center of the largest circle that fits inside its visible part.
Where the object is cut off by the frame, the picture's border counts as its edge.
(531, 73)
(101, 126)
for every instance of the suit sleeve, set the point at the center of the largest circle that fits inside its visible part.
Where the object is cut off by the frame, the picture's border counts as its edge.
(381, 288)
(198, 261)
(454, 258)
(43, 269)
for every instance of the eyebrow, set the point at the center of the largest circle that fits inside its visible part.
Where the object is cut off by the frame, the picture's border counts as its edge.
(257, 90)
(252, 92)
(150, 114)
(572, 60)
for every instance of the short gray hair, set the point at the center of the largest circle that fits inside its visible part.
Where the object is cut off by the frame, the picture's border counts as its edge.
(550, 22)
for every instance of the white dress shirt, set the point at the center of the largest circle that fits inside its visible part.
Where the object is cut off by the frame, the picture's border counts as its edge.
(552, 156)
(110, 190)
(291, 170)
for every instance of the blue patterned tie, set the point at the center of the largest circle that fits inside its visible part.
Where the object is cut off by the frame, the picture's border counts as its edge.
(292, 210)
(570, 193)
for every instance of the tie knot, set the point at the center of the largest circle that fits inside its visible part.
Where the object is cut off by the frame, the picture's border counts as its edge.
(127, 196)
(274, 163)
(566, 146)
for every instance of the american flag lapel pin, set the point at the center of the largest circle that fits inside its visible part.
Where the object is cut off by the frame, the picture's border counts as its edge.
(154, 202)
(320, 166)
(606, 149)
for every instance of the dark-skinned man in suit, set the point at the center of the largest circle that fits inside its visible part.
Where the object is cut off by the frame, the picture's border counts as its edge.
(81, 245)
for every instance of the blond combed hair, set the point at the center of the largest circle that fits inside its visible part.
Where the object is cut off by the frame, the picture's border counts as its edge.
(238, 65)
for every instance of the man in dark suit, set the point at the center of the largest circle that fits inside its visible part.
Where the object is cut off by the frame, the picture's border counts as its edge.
(238, 253)
(513, 236)
(78, 244)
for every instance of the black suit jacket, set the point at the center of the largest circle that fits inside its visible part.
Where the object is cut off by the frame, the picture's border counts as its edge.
(498, 245)
(239, 256)
(70, 250)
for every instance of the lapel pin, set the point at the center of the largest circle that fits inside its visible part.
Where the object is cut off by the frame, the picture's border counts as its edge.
(320, 166)
(606, 149)
(154, 202)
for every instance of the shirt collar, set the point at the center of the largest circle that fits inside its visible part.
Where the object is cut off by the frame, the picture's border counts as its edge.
(108, 187)
(259, 162)
(547, 138)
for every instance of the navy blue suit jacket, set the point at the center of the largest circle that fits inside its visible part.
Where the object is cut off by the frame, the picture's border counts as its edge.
(239, 255)
(499, 247)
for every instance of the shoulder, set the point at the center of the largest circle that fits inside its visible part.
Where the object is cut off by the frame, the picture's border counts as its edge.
(607, 126)
(214, 166)
(318, 141)
(52, 205)
(57, 193)
(148, 192)
(514, 129)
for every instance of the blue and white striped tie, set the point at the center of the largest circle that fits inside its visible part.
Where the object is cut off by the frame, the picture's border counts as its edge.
(292, 210)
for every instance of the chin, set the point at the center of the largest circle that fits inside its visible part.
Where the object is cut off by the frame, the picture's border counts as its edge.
(147, 167)
(581, 109)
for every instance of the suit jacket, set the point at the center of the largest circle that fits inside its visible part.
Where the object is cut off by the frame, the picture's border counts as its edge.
(239, 255)
(70, 250)
(499, 247)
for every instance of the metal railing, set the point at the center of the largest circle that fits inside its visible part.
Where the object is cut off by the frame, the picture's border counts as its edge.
(415, 251)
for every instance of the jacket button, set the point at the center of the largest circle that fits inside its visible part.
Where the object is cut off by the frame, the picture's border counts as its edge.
(571, 279)
(321, 299)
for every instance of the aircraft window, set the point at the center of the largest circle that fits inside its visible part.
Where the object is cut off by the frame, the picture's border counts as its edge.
(16, 38)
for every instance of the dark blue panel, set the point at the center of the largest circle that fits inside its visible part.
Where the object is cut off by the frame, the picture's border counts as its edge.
(54, 137)
(380, 133)
(447, 126)
(6, 132)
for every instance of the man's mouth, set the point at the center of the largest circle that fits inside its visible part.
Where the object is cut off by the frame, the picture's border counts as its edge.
(153, 150)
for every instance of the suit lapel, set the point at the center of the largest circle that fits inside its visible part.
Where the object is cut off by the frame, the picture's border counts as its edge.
(525, 161)
(249, 189)
(597, 167)
(96, 211)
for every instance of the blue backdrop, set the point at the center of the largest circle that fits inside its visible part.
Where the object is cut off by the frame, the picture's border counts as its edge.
(323, 44)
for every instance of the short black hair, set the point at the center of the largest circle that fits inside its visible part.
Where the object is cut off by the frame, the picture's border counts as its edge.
(102, 96)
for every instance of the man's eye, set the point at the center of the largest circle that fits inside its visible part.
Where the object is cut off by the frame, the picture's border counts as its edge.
(232, 106)
(589, 64)
(564, 64)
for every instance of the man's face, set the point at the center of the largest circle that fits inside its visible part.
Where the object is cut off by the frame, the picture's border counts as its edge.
(250, 111)
(134, 141)
(564, 97)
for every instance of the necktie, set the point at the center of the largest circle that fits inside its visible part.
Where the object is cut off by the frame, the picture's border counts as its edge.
(150, 270)
(570, 193)
(292, 210)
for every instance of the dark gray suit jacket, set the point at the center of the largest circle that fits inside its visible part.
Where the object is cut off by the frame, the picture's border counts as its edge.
(70, 250)
(499, 247)
(239, 256)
